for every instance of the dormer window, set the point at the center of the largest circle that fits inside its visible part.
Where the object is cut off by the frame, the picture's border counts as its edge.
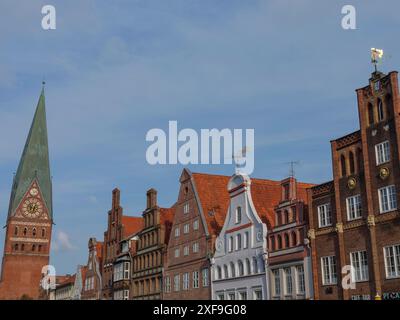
(238, 217)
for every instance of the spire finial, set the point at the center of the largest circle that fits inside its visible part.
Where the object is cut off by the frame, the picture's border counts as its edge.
(376, 57)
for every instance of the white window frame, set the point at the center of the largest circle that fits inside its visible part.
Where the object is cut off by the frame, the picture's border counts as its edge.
(354, 207)
(387, 199)
(196, 224)
(204, 277)
(238, 215)
(195, 279)
(177, 253)
(359, 263)
(324, 215)
(288, 276)
(185, 281)
(177, 232)
(186, 250)
(300, 280)
(177, 285)
(246, 240)
(382, 152)
(329, 270)
(277, 282)
(195, 247)
(186, 228)
(392, 261)
(167, 284)
(186, 208)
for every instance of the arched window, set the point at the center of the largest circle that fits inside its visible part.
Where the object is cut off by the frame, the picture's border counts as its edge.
(43, 232)
(246, 240)
(241, 268)
(279, 242)
(22, 247)
(360, 162)
(33, 247)
(248, 266)
(255, 265)
(294, 239)
(233, 273)
(278, 217)
(34, 232)
(25, 231)
(381, 113)
(226, 272)
(351, 159)
(219, 273)
(287, 244)
(40, 248)
(388, 105)
(272, 243)
(238, 214)
(370, 114)
(230, 244)
(238, 241)
(15, 231)
(343, 165)
(16, 247)
(286, 216)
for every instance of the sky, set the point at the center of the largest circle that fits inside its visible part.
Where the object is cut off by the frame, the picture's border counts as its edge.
(116, 69)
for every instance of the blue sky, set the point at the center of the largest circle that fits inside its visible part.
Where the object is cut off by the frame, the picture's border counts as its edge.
(115, 70)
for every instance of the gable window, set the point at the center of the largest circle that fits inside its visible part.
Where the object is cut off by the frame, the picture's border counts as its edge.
(177, 253)
(186, 228)
(359, 263)
(230, 244)
(392, 261)
(177, 232)
(238, 241)
(246, 240)
(196, 224)
(186, 208)
(238, 218)
(186, 250)
(382, 152)
(381, 114)
(328, 265)
(353, 205)
(324, 215)
(195, 279)
(195, 247)
(387, 199)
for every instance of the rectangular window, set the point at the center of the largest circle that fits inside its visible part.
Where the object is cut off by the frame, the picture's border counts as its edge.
(196, 224)
(329, 275)
(242, 295)
(246, 240)
(186, 228)
(186, 250)
(167, 284)
(177, 232)
(300, 285)
(186, 281)
(126, 294)
(359, 263)
(126, 270)
(195, 247)
(177, 283)
(177, 253)
(382, 152)
(220, 296)
(277, 282)
(195, 279)
(257, 294)
(324, 215)
(387, 199)
(353, 205)
(204, 276)
(231, 296)
(288, 281)
(392, 261)
(186, 208)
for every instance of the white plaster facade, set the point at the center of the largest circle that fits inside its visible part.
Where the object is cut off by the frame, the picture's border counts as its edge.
(238, 266)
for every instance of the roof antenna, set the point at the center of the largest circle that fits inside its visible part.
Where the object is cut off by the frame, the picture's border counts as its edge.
(292, 172)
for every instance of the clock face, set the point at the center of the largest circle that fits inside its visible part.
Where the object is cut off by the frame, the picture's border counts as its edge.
(32, 208)
(34, 192)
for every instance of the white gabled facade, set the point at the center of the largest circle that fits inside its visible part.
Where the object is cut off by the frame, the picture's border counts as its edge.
(239, 264)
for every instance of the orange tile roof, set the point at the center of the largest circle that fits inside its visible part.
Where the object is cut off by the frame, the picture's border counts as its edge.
(131, 225)
(214, 199)
(167, 218)
(69, 280)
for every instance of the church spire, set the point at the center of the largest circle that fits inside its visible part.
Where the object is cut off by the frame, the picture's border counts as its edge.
(34, 163)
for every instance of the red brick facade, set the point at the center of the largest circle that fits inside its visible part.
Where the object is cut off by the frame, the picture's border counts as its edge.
(360, 170)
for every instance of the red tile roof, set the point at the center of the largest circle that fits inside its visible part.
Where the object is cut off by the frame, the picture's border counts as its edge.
(131, 225)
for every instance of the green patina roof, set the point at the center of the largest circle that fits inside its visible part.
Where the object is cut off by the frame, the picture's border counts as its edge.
(34, 163)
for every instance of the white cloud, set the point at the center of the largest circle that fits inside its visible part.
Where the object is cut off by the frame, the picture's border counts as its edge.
(62, 242)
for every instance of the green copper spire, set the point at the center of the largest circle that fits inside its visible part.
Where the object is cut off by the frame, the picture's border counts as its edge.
(34, 163)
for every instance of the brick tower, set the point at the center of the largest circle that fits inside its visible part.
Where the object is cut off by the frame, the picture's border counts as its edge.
(29, 220)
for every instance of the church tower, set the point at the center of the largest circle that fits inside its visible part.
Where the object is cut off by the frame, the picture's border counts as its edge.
(30, 216)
